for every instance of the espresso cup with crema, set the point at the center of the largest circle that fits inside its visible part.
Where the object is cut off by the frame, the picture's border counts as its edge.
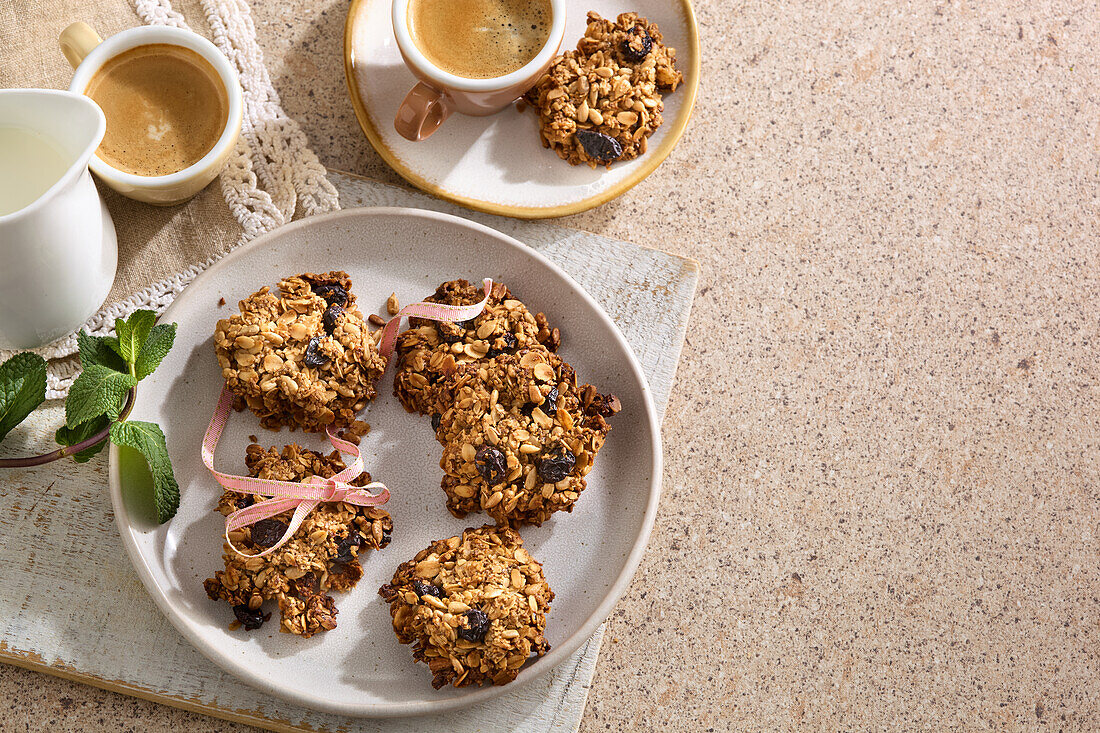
(471, 56)
(173, 105)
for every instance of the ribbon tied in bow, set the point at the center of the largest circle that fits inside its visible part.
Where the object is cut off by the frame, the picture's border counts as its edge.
(303, 498)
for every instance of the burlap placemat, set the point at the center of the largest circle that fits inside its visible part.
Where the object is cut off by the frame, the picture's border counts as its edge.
(154, 242)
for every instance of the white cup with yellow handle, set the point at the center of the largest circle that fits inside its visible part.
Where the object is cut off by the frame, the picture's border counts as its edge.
(173, 105)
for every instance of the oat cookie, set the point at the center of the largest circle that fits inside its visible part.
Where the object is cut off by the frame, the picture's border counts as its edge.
(430, 350)
(303, 359)
(600, 103)
(322, 555)
(473, 606)
(519, 436)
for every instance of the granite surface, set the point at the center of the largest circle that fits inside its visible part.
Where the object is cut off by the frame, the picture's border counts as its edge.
(882, 482)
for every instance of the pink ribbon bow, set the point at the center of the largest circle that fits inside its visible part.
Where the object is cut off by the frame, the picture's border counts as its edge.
(303, 498)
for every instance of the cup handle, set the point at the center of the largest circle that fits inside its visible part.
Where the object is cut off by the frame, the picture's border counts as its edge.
(77, 41)
(422, 112)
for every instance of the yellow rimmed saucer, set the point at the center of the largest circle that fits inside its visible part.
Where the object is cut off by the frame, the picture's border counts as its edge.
(497, 164)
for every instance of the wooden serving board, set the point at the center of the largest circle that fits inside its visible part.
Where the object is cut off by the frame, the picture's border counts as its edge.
(72, 606)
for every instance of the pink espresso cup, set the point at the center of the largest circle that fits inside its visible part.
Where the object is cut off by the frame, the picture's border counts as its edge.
(439, 93)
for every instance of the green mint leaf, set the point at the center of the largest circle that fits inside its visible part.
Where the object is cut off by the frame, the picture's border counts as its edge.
(71, 436)
(148, 439)
(132, 333)
(22, 388)
(101, 350)
(98, 390)
(112, 342)
(154, 349)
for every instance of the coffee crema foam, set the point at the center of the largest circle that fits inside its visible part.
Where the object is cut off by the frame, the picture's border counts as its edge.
(479, 39)
(166, 107)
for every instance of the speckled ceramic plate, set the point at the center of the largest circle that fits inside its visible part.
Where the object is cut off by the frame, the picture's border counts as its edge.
(359, 668)
(497, 164)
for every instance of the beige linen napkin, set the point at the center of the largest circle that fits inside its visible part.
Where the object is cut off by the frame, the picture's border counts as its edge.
(155, 243)
(272, 174)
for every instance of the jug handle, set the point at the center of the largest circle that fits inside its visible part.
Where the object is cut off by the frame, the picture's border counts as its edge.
(77, 41)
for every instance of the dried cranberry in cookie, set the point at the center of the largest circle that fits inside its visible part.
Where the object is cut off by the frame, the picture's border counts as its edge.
(322, 555)
(598, 146)
(635, 44)
(519, 436)
(304, 358)
(488, 616)
(430, 350)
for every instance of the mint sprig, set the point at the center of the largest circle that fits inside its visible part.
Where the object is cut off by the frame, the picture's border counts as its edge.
(99, 401)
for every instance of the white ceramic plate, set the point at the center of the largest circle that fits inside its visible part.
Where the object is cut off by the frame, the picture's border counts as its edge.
(497, 164)
(359, 668)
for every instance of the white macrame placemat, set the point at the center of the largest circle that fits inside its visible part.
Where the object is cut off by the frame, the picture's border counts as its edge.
(271, 176)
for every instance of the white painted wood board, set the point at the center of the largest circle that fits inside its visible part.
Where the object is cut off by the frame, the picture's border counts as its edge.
(72, 606)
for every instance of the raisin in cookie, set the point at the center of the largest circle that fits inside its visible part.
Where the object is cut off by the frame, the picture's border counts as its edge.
(303, 359)
(473, 607)
(322, 555)
(430, 350)
(519, 436)
(600, 103)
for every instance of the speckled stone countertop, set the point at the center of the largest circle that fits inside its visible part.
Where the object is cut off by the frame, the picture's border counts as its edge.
(882, 482)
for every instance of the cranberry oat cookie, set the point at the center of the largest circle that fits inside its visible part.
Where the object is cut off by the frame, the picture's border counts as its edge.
(322, 555)
(600, 103)
(473, 606)
(430, 350)
(304, 358)
(519, 436)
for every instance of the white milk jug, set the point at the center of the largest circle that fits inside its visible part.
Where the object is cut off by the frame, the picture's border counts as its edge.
(57, 243)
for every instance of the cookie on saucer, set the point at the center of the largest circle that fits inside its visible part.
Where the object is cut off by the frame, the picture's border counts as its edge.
(600, 103)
